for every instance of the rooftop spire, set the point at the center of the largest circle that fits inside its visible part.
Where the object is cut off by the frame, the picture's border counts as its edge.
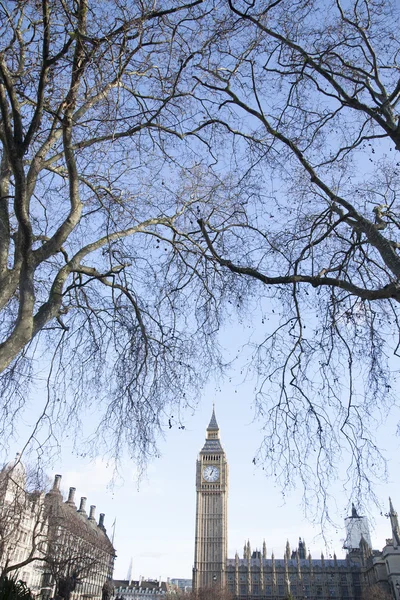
(395, 524)
(391, 506)
(213, 443)
(213, 426)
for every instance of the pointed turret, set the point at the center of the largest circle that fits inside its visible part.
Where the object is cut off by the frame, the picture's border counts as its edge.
(287, 551)
(213, 443)
(364, 549)
(14, 474)
(273, 568)
(302, 550)
(213, 425)
(264, 552)
(395, 524)
(236, 574)
(298, 565)
(130, 571)
(261, 572)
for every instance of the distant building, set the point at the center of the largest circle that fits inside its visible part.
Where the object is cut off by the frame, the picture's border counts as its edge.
(257, 576)
(185, 585)
(151, 589)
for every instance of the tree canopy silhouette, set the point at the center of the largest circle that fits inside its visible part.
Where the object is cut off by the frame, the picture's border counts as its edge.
(164, 167)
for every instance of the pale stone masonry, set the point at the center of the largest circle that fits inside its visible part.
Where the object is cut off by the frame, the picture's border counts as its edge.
(211, 538)
(64, 541)
(297, 575)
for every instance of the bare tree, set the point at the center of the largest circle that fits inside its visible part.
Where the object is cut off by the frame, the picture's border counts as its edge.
(375, 592)
(73, 560)
(306, 97)
(62, 546)
(162, 165)
(23, 523)
(94, 101)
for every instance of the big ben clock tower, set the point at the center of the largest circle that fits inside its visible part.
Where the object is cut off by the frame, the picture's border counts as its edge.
(211, 542)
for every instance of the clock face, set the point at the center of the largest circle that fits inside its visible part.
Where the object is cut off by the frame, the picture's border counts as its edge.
(211, 473)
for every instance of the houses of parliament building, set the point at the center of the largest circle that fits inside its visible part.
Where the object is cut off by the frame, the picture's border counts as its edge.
(296, 575)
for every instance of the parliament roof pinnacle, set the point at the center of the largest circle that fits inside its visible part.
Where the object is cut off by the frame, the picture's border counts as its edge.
(212, 443)
(213, 426)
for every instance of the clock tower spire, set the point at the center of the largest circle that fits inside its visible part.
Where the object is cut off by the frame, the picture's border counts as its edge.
(211, 541)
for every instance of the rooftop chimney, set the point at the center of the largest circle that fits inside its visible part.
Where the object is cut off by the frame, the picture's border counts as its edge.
(56, 484)
(71, 496)
(92, 511)
(82, 505)
(101, 520)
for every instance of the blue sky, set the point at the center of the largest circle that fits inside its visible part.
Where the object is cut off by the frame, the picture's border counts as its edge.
(155, 518)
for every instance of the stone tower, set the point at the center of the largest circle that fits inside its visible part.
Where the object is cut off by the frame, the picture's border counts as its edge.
(211, 541)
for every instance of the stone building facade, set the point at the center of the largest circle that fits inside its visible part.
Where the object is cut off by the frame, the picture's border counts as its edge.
(262, 577)
(79, 551)
(53, 543)
(297, 575)
(211, 540)
(23, 528)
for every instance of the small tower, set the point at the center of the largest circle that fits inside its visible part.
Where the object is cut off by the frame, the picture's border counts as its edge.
(264, 550)
(302, 550)
(356, 528)
(395, 524)
(273, 569)
(287, 551)
(130, 570)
